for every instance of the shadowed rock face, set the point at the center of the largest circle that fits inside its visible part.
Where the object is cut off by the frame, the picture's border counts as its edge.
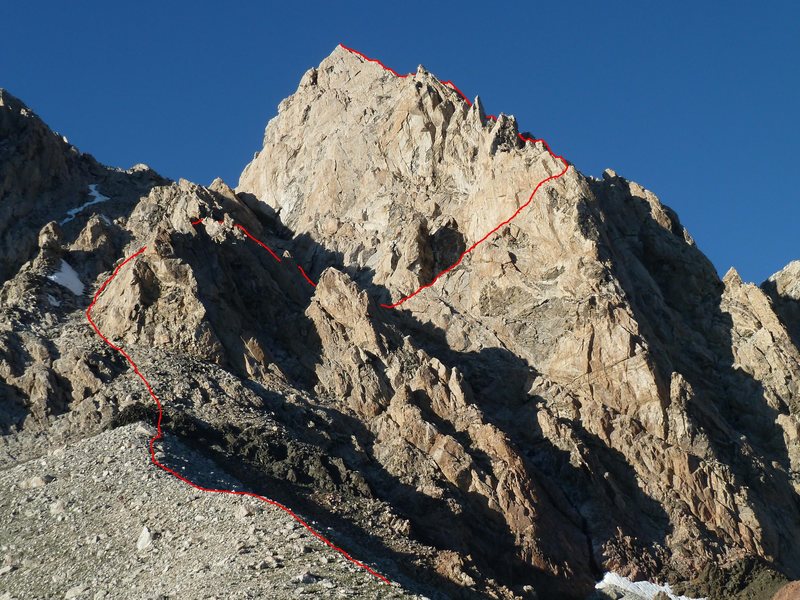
(581, 394)
(42, 176)
(783, 288)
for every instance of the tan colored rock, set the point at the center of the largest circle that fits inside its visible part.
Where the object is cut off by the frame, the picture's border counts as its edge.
(783, 289)
(791, 591)
(651, 373)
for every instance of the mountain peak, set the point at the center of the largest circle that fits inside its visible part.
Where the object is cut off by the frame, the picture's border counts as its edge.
(7, 99)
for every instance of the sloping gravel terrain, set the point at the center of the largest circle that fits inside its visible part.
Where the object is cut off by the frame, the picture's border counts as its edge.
(97, 520)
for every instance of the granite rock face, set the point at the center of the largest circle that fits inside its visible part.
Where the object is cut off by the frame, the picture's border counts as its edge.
(591, 324)
(41, 175)
(581, 394)
(784, 290)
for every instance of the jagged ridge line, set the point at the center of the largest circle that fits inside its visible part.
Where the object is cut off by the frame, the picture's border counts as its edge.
(502, 224)
(159, 433)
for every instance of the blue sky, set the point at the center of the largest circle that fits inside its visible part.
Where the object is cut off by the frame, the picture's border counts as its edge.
(696, 101)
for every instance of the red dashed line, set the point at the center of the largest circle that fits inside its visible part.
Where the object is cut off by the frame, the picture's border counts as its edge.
(458, 91)
(374, 60)
(493, 230)
(159, 433)
(258, 241)
(243, 229)
(305, 276)
(475, 244)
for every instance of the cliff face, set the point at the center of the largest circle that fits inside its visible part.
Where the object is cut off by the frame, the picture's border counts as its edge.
(590, 329)
(581, 394)
(783, 289)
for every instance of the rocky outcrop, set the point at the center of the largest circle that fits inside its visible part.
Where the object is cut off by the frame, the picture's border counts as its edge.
(43, 176)
(784, 290)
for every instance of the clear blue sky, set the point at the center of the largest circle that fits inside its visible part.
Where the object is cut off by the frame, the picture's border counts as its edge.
(698, 103)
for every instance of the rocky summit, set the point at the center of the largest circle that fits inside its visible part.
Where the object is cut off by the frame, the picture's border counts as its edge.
(580, 408)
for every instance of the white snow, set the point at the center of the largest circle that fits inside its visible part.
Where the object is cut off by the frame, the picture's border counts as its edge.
(645, 589)
(97, 198)
(52, 300)
(67, 277)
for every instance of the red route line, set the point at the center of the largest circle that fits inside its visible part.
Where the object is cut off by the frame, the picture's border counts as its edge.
(258, 241)
(503, 223)
(374, 60)
(159, 435)
(458, 91)
(307, 278)
(244, 230)
(463, 255)
(480, 241)
(248, 234)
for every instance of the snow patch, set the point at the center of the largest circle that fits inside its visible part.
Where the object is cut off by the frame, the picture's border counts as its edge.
(52, 300)
(645, 589)
(97, 198)
(67, 277)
